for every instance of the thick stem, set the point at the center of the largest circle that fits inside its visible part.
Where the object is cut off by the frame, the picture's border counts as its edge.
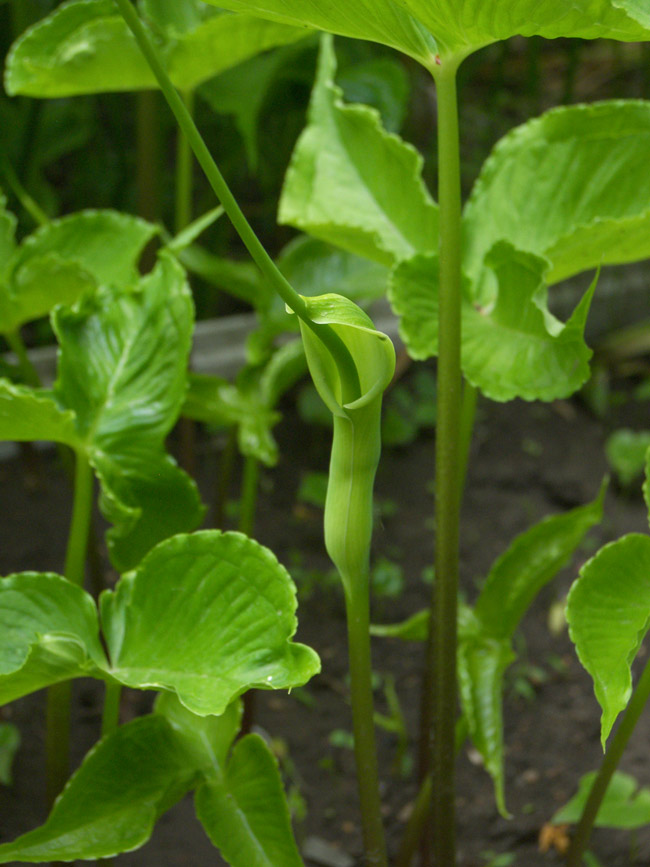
(610, 763)
(357, 598)
(416, 824)
(57, 740)
(216, 180)
(439, 700)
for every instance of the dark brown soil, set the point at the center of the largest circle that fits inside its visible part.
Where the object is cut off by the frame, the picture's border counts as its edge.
(528, 461)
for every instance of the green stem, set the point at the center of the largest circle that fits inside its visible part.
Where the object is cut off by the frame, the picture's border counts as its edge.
(29, 204)
(28, 372)
(448, 467)
(610, 763)
(216, 180)
(248, 499)
(57, 740)
(357, 599)
(184, 163)
(111, 712)
(148, 155)
(416, 824)
(224, 477)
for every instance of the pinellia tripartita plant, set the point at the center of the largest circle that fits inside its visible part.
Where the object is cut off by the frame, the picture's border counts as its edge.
(480, 305)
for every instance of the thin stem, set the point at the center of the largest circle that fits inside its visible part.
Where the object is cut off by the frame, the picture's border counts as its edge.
(28, 372)
(224, 477)
(216, 180)
(416, 824)
(440, 702)
(248, 499)
(111, 712)
(357, 600)
(29, 204)
(610, 763)
(57, 740)
(184, 164)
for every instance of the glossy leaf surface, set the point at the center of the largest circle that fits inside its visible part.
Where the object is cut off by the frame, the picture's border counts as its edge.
(67, 257)
(571, 186)
(512, 346)
(384, 21)
(353, 184)
(206, 616)
(459, 26)
(27, 415)
(49, 633)
(613, 588)
(85, 47)
(243, 809)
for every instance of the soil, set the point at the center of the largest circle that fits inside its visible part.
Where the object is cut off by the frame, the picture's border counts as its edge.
(528, 460)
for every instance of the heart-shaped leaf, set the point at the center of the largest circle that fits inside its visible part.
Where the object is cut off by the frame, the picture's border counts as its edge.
(613, 587)
(511, 347)
(571, 186)
(352, 183)
(84, 46)
(206, 616)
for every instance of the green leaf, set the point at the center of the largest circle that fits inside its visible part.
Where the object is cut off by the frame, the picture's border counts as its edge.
(8, 224)
(122, 370)
(106, 244)
(414, 628)
(382, 21)
(235, 601)
(626, 452)
(382, 82)
(511, 346)
(571, 186)
(9, 743)
(217, 402)
(244, 811)
(27, 415)
(613, 588)
(353, 184)
(531, 561)
(111, 803)
(625, 805)
(84, 46)
(462, 26)
(50, 633)
(482, 661)
(40, 285)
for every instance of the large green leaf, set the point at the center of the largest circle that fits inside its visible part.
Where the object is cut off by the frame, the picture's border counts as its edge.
(136, 773)
(235, 601)
(459, 26)
(571, 186)
(122, 370)
(462, 26)
(85, 47)
(106, 244)
(49, 633)
(613, 590)
(67, 257)
(532, 560)
(352, 183)
(625, 804)
(382, 21)
(111, 803)
(244, 812)
(511, 346)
